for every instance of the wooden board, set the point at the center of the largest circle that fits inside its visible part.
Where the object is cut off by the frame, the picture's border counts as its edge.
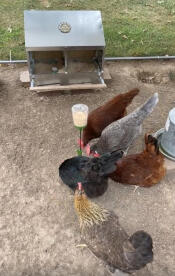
(55, 87)
(24, 78)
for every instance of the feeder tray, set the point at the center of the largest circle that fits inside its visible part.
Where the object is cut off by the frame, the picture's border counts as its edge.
(65, 49)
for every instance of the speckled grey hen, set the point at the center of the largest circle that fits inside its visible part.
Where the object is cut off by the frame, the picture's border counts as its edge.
(101, 231)
(121, 133)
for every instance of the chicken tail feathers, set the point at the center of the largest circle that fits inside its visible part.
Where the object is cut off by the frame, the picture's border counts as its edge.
(106, 164)
(150, 104)
(151, 143)
(142, 112)
(138, 250)
(128, 97)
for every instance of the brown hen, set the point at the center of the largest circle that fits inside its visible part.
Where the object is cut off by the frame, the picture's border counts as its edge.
(104, 115)
(142, 169)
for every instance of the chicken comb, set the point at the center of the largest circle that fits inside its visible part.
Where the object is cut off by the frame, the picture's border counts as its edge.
(79, 186)
(96, 154)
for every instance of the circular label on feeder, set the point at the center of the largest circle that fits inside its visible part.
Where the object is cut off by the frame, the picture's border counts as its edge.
(64, 27)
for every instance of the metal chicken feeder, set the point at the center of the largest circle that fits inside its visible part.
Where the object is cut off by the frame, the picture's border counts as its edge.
(65, 49)
(166, 136)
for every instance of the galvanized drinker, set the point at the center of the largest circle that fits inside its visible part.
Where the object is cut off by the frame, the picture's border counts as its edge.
(168, 137)
(80, 117)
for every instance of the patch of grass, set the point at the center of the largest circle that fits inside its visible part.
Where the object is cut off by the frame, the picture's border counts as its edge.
(131, 27)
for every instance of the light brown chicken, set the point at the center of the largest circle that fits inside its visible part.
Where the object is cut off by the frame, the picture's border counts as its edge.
(142, 169)
(104, 115)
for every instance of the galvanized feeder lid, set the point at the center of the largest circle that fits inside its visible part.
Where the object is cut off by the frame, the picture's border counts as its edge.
(51, 30)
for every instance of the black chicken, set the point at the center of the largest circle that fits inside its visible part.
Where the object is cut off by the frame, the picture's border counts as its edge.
(92, 172)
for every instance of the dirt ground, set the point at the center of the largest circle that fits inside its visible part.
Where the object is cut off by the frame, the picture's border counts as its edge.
(39, 230)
